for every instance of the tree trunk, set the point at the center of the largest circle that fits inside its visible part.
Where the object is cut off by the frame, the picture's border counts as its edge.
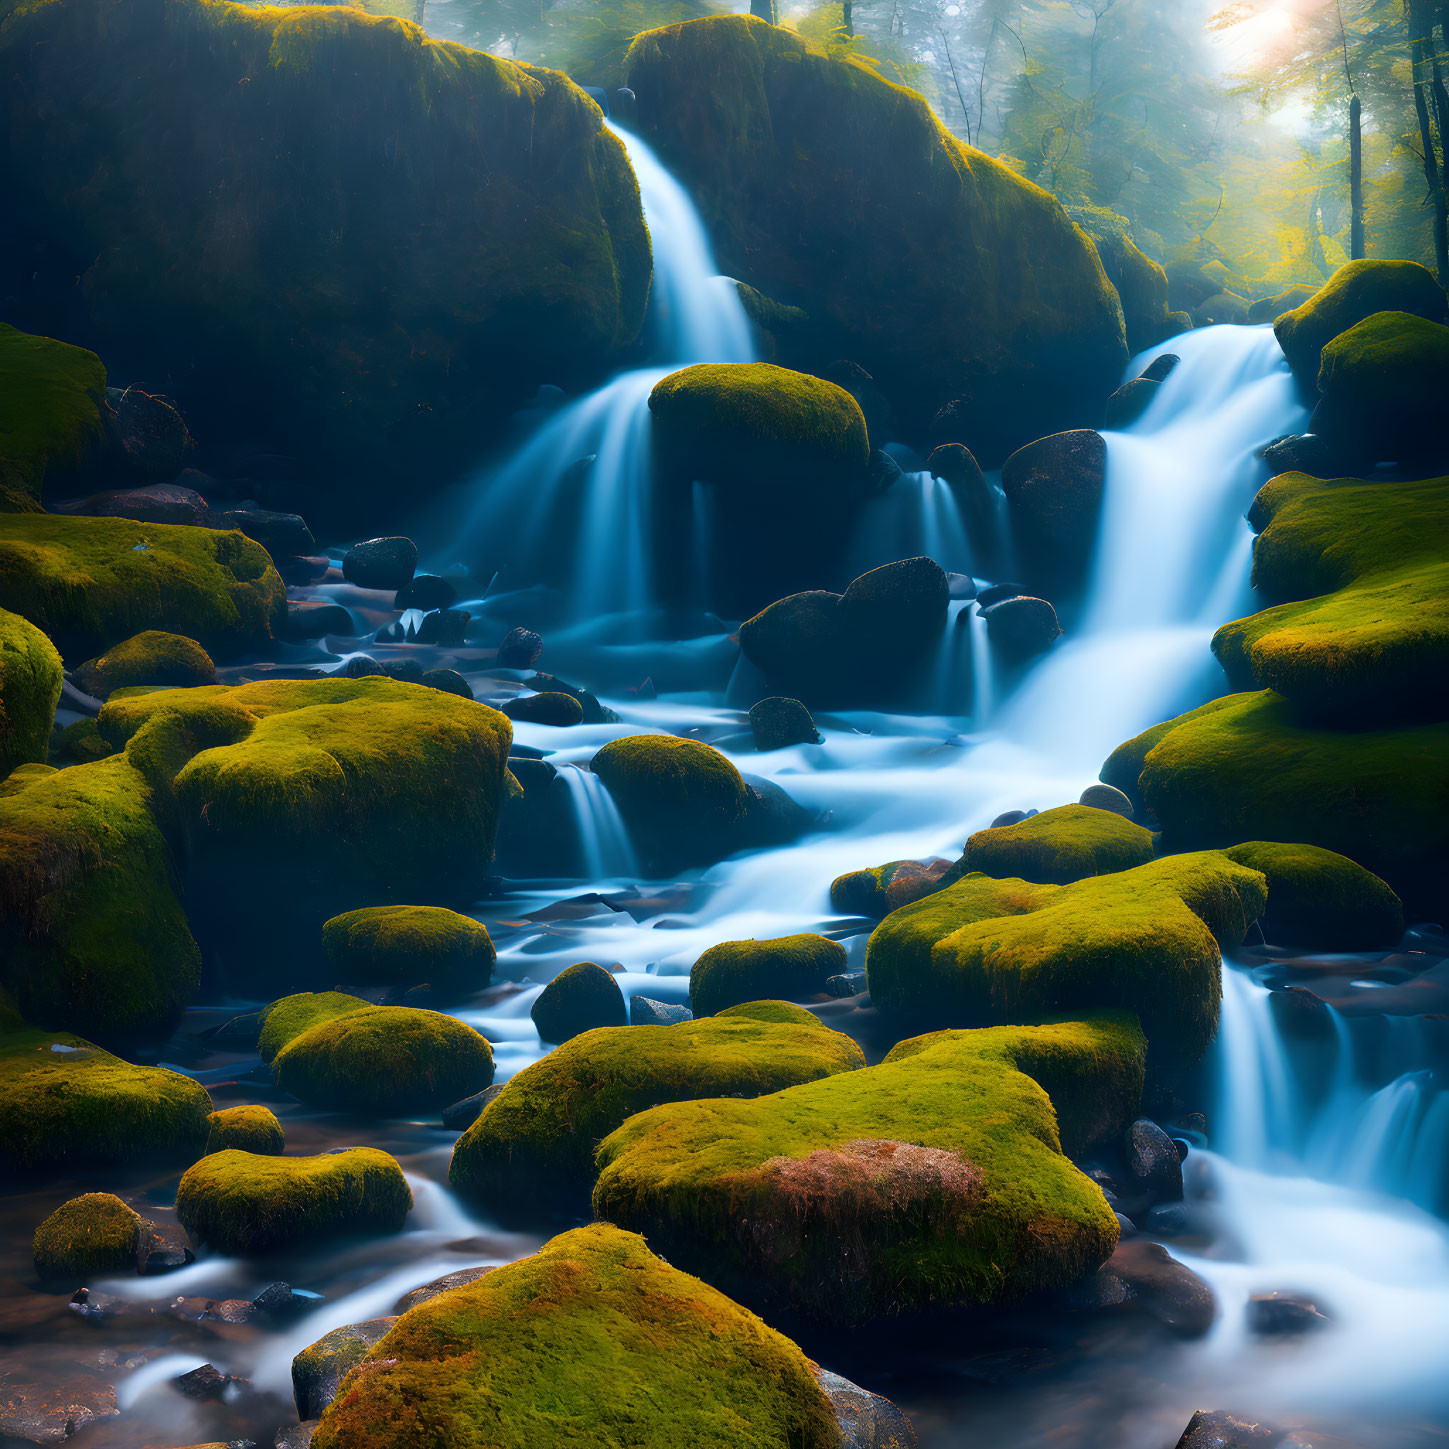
(1355, 178)
(1432, 172)
(846, 9)
(763, 10)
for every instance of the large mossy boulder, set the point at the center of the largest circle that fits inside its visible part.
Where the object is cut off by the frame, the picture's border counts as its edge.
(296, 801)
(1246, 768)
(410, 946)
(245, 1203)
(938, 270)
(1355, 291)
(1141, 283)
(936, 1178)
(151, 658)
(90, 583)
(1059, 846)
(1147, 940)
(87, 1236)
(1358, 574)
(50, 414)
(92, 933)
(66, 1102)
(877, 890)
(534, 1142)
(1054, 489)
(30, 684)
(787, 967)
(456, 229)
(593, 1340)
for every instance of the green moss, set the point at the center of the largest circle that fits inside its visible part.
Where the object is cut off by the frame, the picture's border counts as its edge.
(317, 796)
(150, 658)
(779, 1012)
(65, 1101)
(738, 971)
(292, 1015)
(23, 776)
(1145, 940)
(242, 1203)
(385, 1061)
(50, 413)
(92, 582)
(1059, 846)
(592, 1339)
(410, 945)
(80, 743)
(934, 1178)
(878, 890)
(30, 680)
(1140, 282)
(249, 1129)
(536, 1139)
(92, 1234)
(1355, 291)
(1359, 574)
(92, 934)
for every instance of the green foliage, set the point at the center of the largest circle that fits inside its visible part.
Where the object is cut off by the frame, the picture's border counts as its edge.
(150, 658)
(30, 682)
(592, 1339)
(89, 1235)
(410, 945)
(249, 1129)
(735, 972)
(1059, 846)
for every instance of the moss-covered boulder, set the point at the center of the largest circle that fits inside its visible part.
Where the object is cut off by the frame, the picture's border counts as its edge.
(375, 1060)
(92, 582)
(1355, 291)
(938, 270)
(30, 682)
(1140, 282)
(410, 946)
(581, 998)
(292, 1015)
(534, 1142)
(1245, 768)
(1146, 940)
(248, 1129)
(778, 722)
(1059, 846)
(877, 890)
(92, 934)
(1358, 574)
(1383, 384)
(937, 1177)
(65, 1101)
(311, 798)
(318, 1371)
(245, 1203)
(50, 414)
(1270, 309)
(456, 230)
(739, 971)
(630, 1349)
(150, 658)
(93, 1234)
(1054, 489)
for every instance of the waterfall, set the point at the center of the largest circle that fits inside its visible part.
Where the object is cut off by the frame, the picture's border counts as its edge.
(603, 837)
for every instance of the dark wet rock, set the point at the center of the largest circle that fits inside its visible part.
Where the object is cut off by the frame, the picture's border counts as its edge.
(556, 709)
(206, 1382)
(279, 1301)
(96, 1307)
(296, 1436)
(1152, 1160)
(51, 1413)
(1304, 453)
(316, 619)
(519, 649)
(956, 464)
(1053, 492)
(645, 1011)
(866, 1420)
(778, 722)
(147, 436)
(881, 472)
(362, 666)
(1218, 1430)
(162, 1249)
(1164, 1288)
(298, 573)
(156, 503)
(1106, 797)
(1022, 627)
(1301, 1014)
(961, 586)
(1130, 401)
(409, 671)
(1168, 1220)
(594, 711)
(861, 386)
(279, 533)
(846, 983)
(380, 563)
(318, 1370)
(440, 1285)
(1272, 1314)
(448, 680)
(462, 1115)
(578, 999)
(426, 592)
(444, 626)
(1011, 817)
(1158, 369)
(233, 1311)
(995, 593)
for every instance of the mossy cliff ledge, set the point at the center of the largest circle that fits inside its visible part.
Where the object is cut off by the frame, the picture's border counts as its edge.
(938, 270)
(457, 229)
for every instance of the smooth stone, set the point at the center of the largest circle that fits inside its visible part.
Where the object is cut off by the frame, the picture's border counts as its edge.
(163, 1248)
(1106, 797)
(380, 563)
(866, 1420)
(960, 586)
(846, 983)
(1130, 401)
(1273, 1314)
(1152, 1160)
(278, 533)
(449, 681)
(426, 592)
(459, 1116)
(318, 1371)
(444, 626)
(1160, 366)
(1021, 627)
(361, 666)
(645, 1011)
(206, 1382)
(1011, 817)
(51, 1413)
(456, 1279)
(317, 618)
(520, 647)
(1172, 1293)
(558, 710)
(780, 721)
(278, 1300)
(997, 593)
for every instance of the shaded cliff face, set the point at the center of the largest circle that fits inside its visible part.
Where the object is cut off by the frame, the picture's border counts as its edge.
(941, 272)
(312, 226)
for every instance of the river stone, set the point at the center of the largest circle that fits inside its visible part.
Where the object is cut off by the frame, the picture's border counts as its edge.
(462, 1115)
(1271, 1314)
(645, 1011)
(206, 1382)
(1171, 1293)
(380, 563)
(447, 680)
(316, 619)
(1022, 627)
(281, 534)
(578, 999)
(444, 626)
(1106, 797)
(1218, 1430)
(556, 709)
(866, 1420)
(1130, 401)
(1152, 1159)
(1158, 369)
(50, 1413)
(318, 1370)
(520, 647)
(440, 1285)
(778, 721)
(426, 592)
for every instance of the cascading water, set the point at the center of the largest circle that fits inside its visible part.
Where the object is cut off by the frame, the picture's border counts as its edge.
(603, 837)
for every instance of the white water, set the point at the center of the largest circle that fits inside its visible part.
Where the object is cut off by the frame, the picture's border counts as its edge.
(604, 839)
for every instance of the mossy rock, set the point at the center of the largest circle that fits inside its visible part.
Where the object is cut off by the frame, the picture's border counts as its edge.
(313, 798)
(384, 1061)
(777, 723)
(1146, 940)
(535, 1140)
(89, 1235)
(936, 269)
(878, 890)
(50, 414)
(1318, 900)
(80, 743)
(682, 801)
(318, 1371)
(1359, 577)
(408, 946)
(1060, 846)
(90, 583)
(65, 1101)
(591, 1340)
(30, 682)
(92, 934)
(1054, 489)
(1245, 768)
(485, 200)
(1270, 309)
(244, 1203)
(248, 1129)
(581, 998)
(936, 1178)
(1140, 282)
(1355, 291)
(289, 1017)
(735, 972)
(150, 658)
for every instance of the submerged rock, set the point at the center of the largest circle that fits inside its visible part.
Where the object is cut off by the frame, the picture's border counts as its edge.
(51, 1412)
(581, 997)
